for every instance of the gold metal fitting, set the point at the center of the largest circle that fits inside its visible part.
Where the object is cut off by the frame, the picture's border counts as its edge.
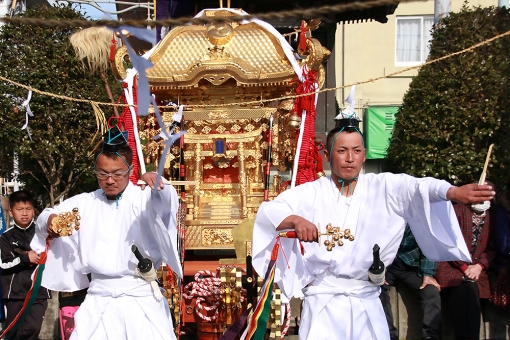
(334, 236)
(64, 223)
(219, 34)
(286, 105)
(294, 122)
(320, 174)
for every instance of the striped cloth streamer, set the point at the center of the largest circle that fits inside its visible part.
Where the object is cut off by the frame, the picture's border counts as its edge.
(258, 316)
(9, 332)
(257, 321)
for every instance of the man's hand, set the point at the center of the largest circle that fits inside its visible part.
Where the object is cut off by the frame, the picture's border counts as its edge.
(150, 179)
(306, 231)
(470, 193)
(33, 257)
(429, 280)
(50, 231)
(473, 271)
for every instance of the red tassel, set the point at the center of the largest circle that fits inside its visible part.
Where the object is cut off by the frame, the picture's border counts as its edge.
(125, 121)
(302, 248)
(113, 48)
(302, 37)
(319, 146)
(306, 171)
(274, 252)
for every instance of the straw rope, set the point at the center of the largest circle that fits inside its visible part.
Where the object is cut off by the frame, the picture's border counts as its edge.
(306, 13)
(371, 80)
(101, 122)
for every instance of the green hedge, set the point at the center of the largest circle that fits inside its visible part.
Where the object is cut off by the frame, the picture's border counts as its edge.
(455, 108)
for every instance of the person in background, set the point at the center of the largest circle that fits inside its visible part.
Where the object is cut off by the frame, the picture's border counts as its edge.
(502, 230)
(415, 270)
(69, 303)
(464, 284)
(18, 262)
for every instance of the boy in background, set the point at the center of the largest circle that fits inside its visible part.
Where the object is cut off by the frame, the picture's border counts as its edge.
(18, 261)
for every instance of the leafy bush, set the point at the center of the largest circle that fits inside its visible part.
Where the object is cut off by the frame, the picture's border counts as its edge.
(58, 158)
(455, 108)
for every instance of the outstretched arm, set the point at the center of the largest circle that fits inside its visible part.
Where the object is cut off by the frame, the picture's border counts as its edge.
(470, 193)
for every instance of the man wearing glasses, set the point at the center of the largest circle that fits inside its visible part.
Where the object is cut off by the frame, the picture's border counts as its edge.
(119, 304)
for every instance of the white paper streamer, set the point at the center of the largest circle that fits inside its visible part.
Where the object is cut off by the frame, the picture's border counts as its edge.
(28, 112)
(350, 98)
(140, 64)
(169, 140)
(178, 116)
(130, 100)
(349, 112)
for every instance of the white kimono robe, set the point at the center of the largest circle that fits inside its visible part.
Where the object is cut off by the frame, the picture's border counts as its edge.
(340, 302)
(119, 305)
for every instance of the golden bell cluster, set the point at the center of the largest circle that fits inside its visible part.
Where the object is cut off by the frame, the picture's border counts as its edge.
(336, 236)
(65, 222)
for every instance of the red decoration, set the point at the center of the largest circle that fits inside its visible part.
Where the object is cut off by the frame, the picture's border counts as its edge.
(309, 153)
(302, 37)
(113, 48)
(125, 122)
(318, 157)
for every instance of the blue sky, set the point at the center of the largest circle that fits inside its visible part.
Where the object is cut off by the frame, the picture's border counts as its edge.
(94, 13)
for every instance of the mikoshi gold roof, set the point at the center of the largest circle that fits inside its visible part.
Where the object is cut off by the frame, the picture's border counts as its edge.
(245, 52)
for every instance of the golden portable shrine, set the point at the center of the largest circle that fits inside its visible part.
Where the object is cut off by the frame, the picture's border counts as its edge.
(237, 83)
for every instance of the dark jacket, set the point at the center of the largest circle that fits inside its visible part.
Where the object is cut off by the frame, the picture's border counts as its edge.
(502, 232)
(16, 268)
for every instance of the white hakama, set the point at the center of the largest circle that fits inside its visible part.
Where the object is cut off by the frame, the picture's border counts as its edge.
(340, 302)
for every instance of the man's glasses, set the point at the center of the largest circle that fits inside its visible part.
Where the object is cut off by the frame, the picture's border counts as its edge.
(116, 176)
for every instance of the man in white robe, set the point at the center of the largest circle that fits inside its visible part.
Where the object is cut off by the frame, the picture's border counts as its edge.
(119, 304)
(339, 300)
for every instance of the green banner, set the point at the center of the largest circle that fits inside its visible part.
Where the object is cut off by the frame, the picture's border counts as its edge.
(379, 121)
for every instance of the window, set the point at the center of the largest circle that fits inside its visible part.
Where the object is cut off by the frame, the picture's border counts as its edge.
(413, 38)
